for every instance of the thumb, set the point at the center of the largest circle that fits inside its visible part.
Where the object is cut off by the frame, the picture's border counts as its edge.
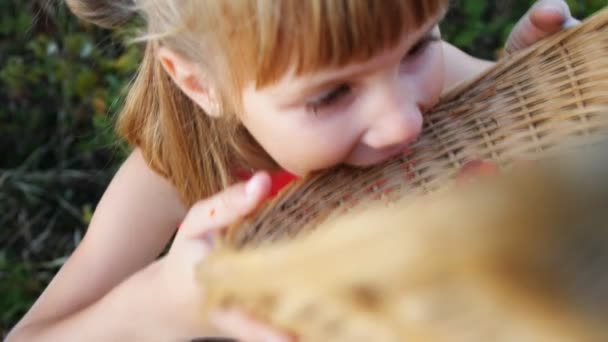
(543, 19)
(215, 213)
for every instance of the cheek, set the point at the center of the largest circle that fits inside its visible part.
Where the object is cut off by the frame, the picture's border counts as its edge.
(301, 148)
(299, 143)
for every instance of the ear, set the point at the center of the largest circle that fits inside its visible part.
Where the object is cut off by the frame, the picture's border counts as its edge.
(189, 78)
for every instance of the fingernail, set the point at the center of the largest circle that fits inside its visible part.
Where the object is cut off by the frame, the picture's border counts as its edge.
(253, 185)
(553, 8)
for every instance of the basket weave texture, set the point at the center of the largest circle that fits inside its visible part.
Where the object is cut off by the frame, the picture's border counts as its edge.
(520, 257)
(545, 98)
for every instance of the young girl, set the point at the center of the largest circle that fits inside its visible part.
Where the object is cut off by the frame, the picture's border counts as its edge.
(225, 89)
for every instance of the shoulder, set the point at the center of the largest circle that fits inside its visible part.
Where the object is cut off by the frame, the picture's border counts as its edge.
(138, 191)
(460, 66)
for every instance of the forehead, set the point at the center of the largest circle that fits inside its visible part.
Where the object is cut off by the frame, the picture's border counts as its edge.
(293, 85)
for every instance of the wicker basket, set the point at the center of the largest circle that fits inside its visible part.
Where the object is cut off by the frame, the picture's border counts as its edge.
(530, 103)
(521, 257)
(476, 263)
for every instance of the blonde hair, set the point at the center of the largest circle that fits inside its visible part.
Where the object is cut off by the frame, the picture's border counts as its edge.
(234, 43)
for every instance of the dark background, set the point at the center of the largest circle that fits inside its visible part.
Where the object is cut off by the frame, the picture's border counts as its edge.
(61, 82)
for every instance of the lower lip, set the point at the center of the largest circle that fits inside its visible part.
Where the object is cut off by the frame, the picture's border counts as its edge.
(383, 156)
(393, 152)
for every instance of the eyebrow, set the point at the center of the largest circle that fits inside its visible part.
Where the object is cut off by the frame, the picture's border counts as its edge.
(340, 77)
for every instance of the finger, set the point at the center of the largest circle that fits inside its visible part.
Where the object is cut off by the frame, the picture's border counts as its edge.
(544, 18)
(217, 212)
(245, 328)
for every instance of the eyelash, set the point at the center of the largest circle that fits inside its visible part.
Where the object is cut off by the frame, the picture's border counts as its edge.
(336, 94)
(328, 99)
(422, 45)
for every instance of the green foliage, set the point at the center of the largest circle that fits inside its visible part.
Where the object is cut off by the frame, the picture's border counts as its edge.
(20, 283)
(481, 27)
(60, 82)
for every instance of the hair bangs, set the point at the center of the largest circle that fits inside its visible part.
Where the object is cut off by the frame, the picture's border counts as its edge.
(306, 36)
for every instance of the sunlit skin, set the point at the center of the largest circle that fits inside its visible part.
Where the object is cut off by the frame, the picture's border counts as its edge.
(359, 114)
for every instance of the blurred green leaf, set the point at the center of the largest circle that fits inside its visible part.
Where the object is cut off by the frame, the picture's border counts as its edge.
(85, 81)
(474, 8)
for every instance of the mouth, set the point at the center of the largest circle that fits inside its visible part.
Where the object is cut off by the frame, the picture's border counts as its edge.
(369, 157)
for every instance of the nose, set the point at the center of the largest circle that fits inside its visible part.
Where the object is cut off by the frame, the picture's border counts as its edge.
(397, 120)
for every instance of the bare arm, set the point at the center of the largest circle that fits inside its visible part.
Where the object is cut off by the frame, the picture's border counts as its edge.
(132, 311)
(132, 224)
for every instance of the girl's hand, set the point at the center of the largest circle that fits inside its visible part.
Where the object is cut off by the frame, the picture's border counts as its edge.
(545, 18)
(192, 243)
